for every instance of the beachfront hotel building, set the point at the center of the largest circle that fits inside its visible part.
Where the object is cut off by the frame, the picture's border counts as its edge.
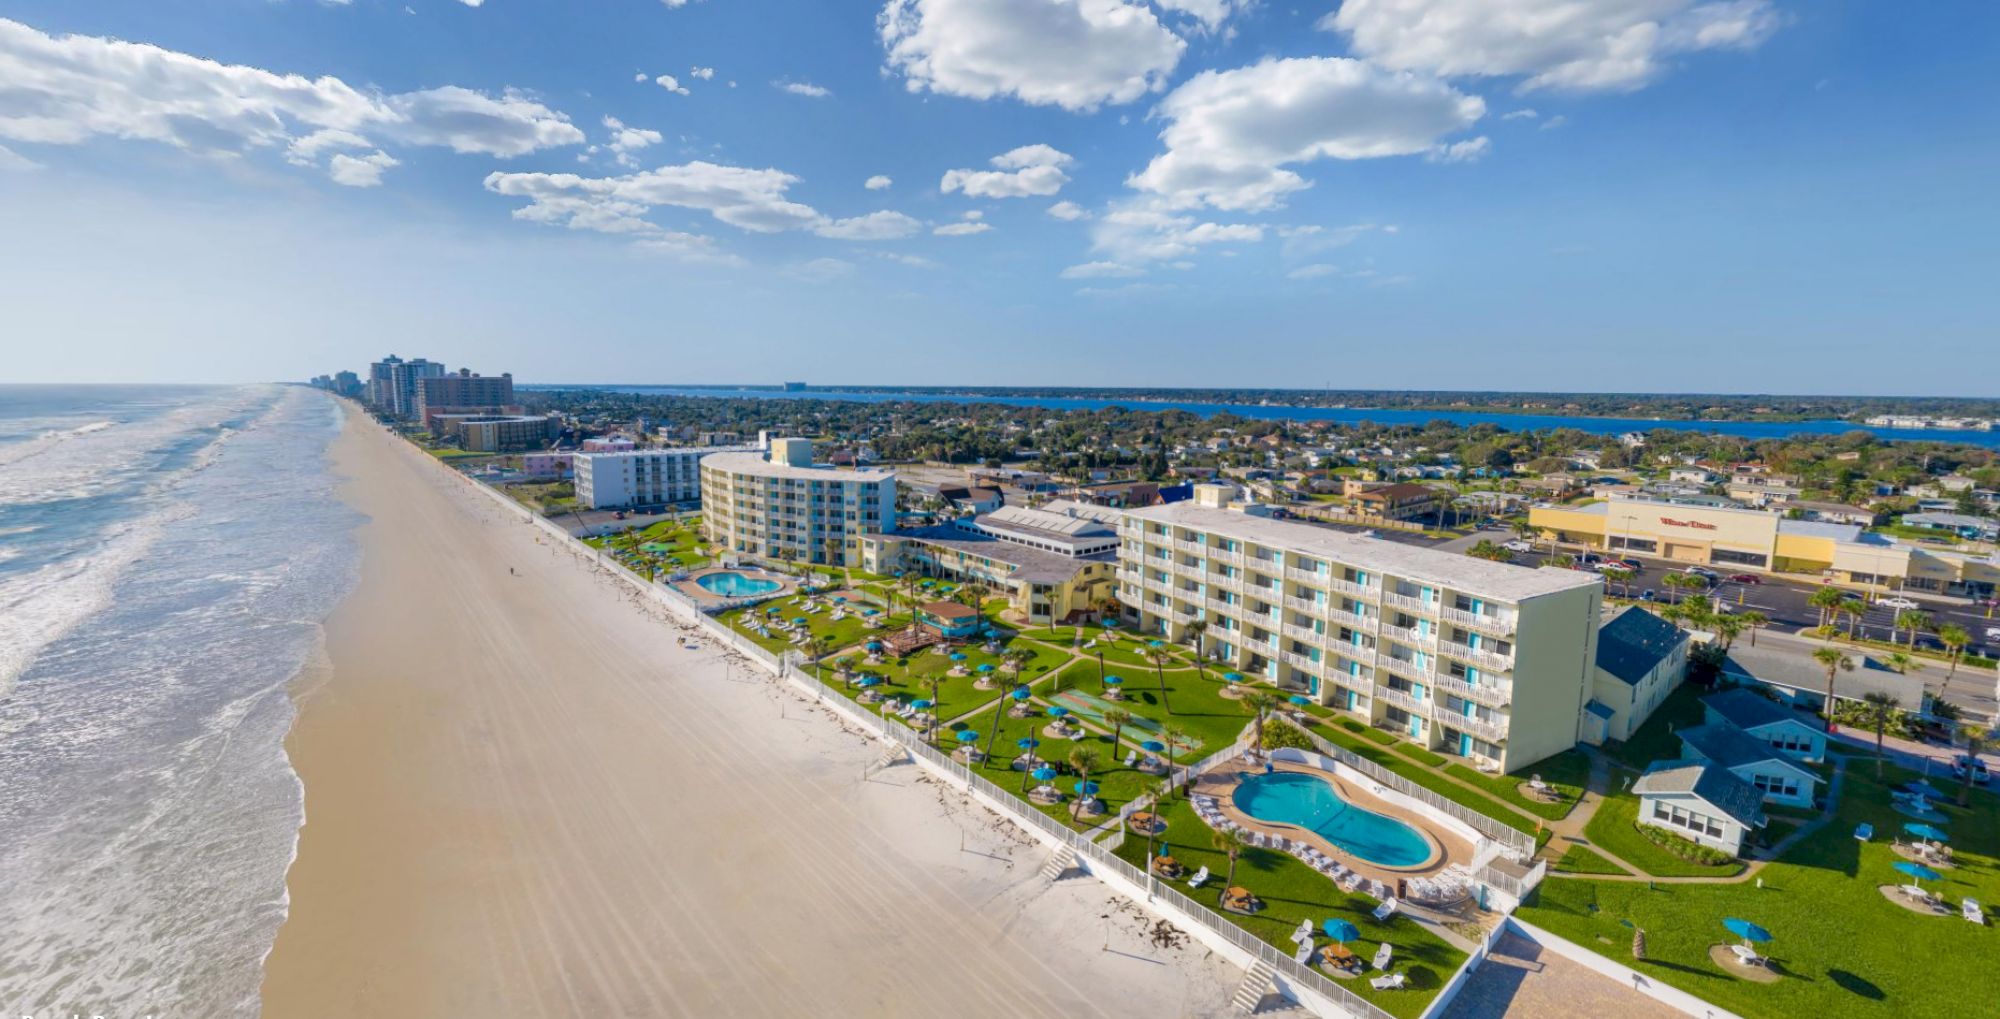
(641, 479)
(1054, 564)
(1481, 660)
(496, 433)
(778, 504)
(1734, 539)
(462, 392)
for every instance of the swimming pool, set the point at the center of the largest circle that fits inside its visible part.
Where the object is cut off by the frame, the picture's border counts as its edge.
(735, 585)
(1288, 797)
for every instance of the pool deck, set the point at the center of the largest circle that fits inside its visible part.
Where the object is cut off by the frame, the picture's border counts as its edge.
(1221, 784)
(704, 596)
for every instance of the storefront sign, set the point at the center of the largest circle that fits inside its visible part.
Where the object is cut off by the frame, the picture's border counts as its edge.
(1696, 524)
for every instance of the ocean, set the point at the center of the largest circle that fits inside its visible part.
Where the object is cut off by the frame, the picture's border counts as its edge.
(167, 557)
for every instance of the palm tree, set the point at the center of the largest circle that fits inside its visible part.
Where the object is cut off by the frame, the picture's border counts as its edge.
(1899, 661)
(937, 710)
(1160, 656)
(1117, 718)
(1195, 631)
(1163, 790)
(1954, 638)
(1853, 609)
(1175, 738)
(1975, 741)
(1913, 620)
(1727, 629)
(999, 707)
(1014, 659)
(1083, 759)
(1259, 703)
(1753, 621)
(1879, 708)
(816, 647)
(1835, 661)
(1620, 576)
(1486, 549)
(1229, 842)
(1826, 600)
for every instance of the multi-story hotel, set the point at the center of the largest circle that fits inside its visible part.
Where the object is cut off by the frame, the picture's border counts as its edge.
(496, 433)
(643, 478)
(1472, 658)
(778, 504)
(462, 392)
(1052, 563)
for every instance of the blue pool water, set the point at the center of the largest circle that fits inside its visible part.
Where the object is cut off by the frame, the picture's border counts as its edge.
(736, 585)
(1287, 797)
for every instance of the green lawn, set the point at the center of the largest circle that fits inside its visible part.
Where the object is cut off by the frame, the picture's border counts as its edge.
(1291, 892)
(1119, 785)
(1615, 829)
(1211, 719)
(1655, 740)
(841, 634)
(1584, 860)
(1843, 950)
(1567, 772)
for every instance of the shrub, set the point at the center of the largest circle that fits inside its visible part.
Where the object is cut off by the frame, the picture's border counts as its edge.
(1279, 734)
(1686, 849)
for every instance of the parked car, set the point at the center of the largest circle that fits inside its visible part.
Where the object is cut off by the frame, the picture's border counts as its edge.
(1963, 761)
(1627, 565)
(1646, 595)
(1745, 578)
(1993, 633)
(1517, 545)
(1898, 603)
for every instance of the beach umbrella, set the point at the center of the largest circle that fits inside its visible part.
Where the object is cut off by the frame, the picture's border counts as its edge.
(1020, 694)
(1916, 870)
(1926, 832)
(871, 612)
(799, 620)
(1340, 930)
(958, 656)
(1114, 681)
(921, 704)
(840, 597)
(772, 611)
(1058, 711)
(1087, 790)
(871, 681)
(1111, 624)
(1746, 930)
(984, 667)
(1300, 699)
(874, 645)
(967, 736)
(1152, 746)
(1156, 643)
(1027, 743)
(1042, 774)
(1922, 788)
(1233, 677)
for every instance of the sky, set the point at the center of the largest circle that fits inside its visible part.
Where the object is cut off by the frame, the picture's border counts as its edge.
(1602, 195)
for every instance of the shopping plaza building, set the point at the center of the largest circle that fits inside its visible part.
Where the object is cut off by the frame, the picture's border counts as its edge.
(778, 504)
(1762, 541)
(1481, 660)
(1053, 564)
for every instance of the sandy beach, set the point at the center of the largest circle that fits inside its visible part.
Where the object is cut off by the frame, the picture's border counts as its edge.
(524, 798)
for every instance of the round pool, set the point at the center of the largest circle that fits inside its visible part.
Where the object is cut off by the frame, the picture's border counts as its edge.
(1290, 797)
(735, 585)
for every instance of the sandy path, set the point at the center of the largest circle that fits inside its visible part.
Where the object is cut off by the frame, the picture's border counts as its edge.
(524, 799)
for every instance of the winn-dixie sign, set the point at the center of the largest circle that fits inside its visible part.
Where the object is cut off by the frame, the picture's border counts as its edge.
(1696, 524)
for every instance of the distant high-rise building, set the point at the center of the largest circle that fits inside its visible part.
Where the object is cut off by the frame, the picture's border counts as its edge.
(462, 392)
(403, 384)
(381, 382)
(347, 384)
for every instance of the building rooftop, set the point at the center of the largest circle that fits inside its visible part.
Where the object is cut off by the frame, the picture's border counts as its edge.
(754, 464)
(1731, 747)
(1821, 529)
(610, 455)
(1397, 493)
(1411, 562)
(1727, 793)
(1747, 709)
(1030, 564)
(1634, 641)
(1796, 670)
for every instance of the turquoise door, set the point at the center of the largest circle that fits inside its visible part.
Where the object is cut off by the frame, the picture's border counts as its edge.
(1464, 745)
(1416, 727)
(1312, 684)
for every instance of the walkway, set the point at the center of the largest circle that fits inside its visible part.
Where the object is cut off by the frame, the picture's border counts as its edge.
(1521, 979)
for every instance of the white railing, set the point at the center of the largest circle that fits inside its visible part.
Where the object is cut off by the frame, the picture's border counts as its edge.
(1299, 661)
(1514, 842)
(1293, 573)
(1405, 669)
(1481, 728)
(1304, 633)
(1346, 618)
(1407, 634)
(1391, 695)
(1483, 659)
(1349, 587)
(1518, 887)
(1409, 604)
(1497, 694)
(1480, 621)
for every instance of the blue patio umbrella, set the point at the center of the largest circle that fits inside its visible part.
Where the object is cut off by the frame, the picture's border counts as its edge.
(1156, 643)
(1111, 624)
(1922, 788)
(1114, 680)
(1924, 831)
(1042, 774)
(967, 736)
(1152, 746)
(798, 620)
(1746, 930)
(1020, 694)
(958, 656)
(772, 611)
(871, 612)
(983, 667)
(1027, 743)
(1233, 677)
(1299, 698)
(1087, 790)
(1058, 711)
(921, 704)
(874, 645)
(840, 597)
(1916, 870)
(871, 681)
(1340, 930)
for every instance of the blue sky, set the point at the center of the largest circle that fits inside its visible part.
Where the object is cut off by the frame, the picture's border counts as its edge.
(1745, 195)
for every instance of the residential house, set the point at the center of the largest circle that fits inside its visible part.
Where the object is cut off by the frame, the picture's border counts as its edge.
(1775, 774)
(1701, 802)
(1787, 730)
(1399, 502)
(1800, 681)
(1640, 659)
(1830, 512)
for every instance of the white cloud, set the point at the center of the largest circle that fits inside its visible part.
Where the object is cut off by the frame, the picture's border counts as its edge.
(1210, 14)
(1553, 122)
(1101, 270)
(360, 171)
(1230, 133)
(1025, 171)
(1556, 44)
(66, 90)
(1523, 114)
(878, 182)
(964, 229)
(748, 199)
(14, 162)
(1308, 272)
(1076, 54)
(1469, 151)
(1149, 230)
(1311, 239)
(975, 214)
(1067, 211)
(627, 140)
(639, 77)
(703, 73)
(803, 88)
(671, 84)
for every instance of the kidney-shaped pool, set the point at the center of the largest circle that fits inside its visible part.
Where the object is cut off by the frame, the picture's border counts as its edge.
(1289, 797)
(735, 585)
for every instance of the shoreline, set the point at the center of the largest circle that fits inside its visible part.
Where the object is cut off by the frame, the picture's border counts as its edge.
(523, 797)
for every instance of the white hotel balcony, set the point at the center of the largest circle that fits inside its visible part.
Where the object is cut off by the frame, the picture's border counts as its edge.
(1501, 623)
(1407, 670)
(1497, 695)
(1409, 604)
(1409, 635)
(1488, 731)
(1473, 656)
(1388, 695)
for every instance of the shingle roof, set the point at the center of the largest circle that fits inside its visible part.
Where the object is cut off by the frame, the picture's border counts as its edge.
(1796, 670)
(1727, 793)
(1746, 709)
(1634, 642)
(1731, 747)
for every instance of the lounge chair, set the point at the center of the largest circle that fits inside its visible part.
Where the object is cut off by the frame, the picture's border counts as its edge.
(1392, 982)
(1305, 953)
(1970, 910)
(1305, 930)
(1378, 889)
(1386, 910)
(1131, 758)
(1383, 955)
(1200, 878)
(1916, 892)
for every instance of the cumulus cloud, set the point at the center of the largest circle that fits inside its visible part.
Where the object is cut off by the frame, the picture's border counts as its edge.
(1076, 54)
(1208, 14)
(1469, 151)
(704, 73)
(1522, 114)
(1230, 134)
(962, 229)
(1022, 172)
(1067, 211)
(803, 88)
(671, 84)
(748, 199)
(625, 141)
(360, 171)
(878, 182)
(1605, 45)
(1150, 230)
(65, 90)
(1101, 270)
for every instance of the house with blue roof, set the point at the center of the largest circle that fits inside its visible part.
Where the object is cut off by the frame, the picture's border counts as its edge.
(1640, 659)
(1777, 777)
(1700, 801)
(1788, 730)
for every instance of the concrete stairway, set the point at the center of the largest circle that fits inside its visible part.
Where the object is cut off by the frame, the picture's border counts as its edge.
(1257, 983)
(1062, 861)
